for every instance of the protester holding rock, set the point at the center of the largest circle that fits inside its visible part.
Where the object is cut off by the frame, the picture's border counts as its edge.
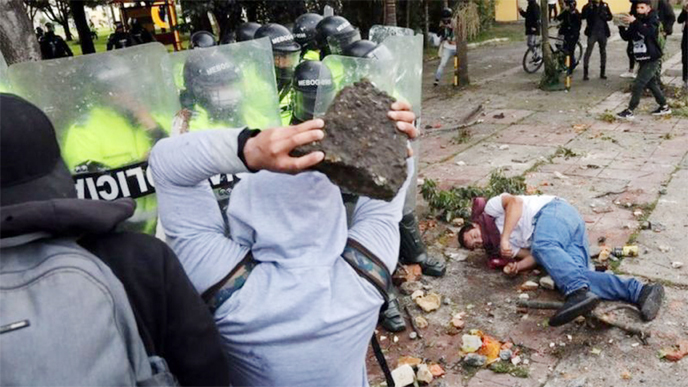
(291, 310)
(547, 230)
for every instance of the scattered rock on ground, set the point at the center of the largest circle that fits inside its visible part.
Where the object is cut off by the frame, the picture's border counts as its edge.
(436, 370)
(417, 294)
(523, 296)
(677, 265)
(458, 222)
(475, 360)
(407, 273)
(547, 282)
(403, 375)
(429, 302)
(413, 335)
(421, 322)
(664, 249)
(457, 321)
(529, 286)
(505, 354)
(424, 375)
(410, 360)
(516, 360)
(411, 286)
(471, 343)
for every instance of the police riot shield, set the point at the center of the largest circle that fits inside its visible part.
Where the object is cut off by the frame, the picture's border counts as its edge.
(407, 52)
(227, 86)
(108, 110)
(345, 71)
(4, 81)
(378, 33)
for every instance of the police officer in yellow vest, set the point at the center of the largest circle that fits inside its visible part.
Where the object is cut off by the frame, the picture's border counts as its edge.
(304, 34)
(310, 77)
(286, 53)
(107, 147)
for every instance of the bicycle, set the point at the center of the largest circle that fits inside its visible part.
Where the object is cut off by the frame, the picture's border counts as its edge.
(532, 59)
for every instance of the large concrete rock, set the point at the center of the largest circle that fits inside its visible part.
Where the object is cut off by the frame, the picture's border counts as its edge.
(364, 152)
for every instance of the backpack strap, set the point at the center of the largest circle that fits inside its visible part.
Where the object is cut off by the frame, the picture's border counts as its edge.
(368, 266)
(221, 291)
(371, 268)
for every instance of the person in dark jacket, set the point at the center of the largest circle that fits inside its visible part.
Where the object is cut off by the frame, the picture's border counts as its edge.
(38, 196)
(569, 28)
(52, 45)
(139, 33)
(683, 19)
(596, 14)
(532, 16)
(667, 18)
(120, 38)
(643, 31)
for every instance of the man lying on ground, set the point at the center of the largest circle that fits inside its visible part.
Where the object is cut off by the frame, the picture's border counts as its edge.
(547, 230)
(290, 309)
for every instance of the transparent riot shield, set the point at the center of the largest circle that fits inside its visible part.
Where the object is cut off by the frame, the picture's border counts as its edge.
(347, 70)
(4, 81)
(227, 86)
(108, 110)
(407, 52)
(378, 33)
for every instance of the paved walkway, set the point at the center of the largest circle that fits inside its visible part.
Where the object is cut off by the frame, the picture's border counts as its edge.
(615, 173)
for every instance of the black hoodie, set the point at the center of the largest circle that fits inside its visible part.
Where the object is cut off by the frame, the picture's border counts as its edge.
(173, 321)
(643, 33)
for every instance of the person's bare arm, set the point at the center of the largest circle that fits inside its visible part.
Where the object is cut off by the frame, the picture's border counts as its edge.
(513, 209)
(526, 262)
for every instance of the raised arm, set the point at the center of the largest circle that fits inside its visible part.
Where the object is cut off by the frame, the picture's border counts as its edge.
(189, 212)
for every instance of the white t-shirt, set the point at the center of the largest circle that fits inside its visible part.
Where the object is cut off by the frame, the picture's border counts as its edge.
(522, 233)
(551, 2)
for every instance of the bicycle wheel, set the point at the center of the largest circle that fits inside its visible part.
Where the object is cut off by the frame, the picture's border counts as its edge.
(532, 60)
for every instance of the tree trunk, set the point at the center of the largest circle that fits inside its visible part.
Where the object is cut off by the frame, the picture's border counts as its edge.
(550, 76)
(390, 12)
(82, 27)
(426, 21)
(63, 7)
(408, 13)
(462, 53)
(17, 40)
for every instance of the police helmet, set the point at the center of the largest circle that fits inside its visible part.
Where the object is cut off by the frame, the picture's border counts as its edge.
(447, 13)
(282, 40)
(304, 29)
(246, 31)
(213, 82)
(310, 79)
(202, 39)
(331, 26)
(367, 49)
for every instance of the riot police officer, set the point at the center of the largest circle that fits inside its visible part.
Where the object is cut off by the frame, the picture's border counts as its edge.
(304, 34)
(246, 31)
(335, 32)
(120, 38)
(310, 78)
(202, 39)
(115, 133)
(285, 52)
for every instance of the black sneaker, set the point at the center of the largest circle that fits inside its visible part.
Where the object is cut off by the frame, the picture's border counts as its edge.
(662, 111)
(436, 83)
(627, 114)
(578, 303)
(650, 300)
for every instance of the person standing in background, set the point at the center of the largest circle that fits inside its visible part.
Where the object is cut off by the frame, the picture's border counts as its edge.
(596, 14)
(683, 18)
(552, 9)
(447, 43)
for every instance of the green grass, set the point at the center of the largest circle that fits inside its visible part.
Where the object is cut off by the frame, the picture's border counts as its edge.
(512, 31)
(101, 43)
(503, 367)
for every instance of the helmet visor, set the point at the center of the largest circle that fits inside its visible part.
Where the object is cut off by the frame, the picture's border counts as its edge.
(338, 43)
(304, 102)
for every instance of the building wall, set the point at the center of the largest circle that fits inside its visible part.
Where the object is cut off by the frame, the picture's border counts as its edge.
(507, 10)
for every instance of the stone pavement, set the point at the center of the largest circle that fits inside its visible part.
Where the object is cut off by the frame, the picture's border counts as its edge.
(617, 174)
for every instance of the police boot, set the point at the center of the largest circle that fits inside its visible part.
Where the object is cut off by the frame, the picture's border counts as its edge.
(413, 249)
(602, 71)
(390, 316)
(585, 73)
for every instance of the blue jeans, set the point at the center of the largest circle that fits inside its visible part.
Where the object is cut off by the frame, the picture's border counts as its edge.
(447, 55)
(560, 245)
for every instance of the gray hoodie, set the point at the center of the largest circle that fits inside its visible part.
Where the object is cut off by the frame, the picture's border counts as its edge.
(304, 317)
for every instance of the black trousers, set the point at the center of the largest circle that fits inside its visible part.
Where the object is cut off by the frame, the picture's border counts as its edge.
(684, 57)
(601, 40)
